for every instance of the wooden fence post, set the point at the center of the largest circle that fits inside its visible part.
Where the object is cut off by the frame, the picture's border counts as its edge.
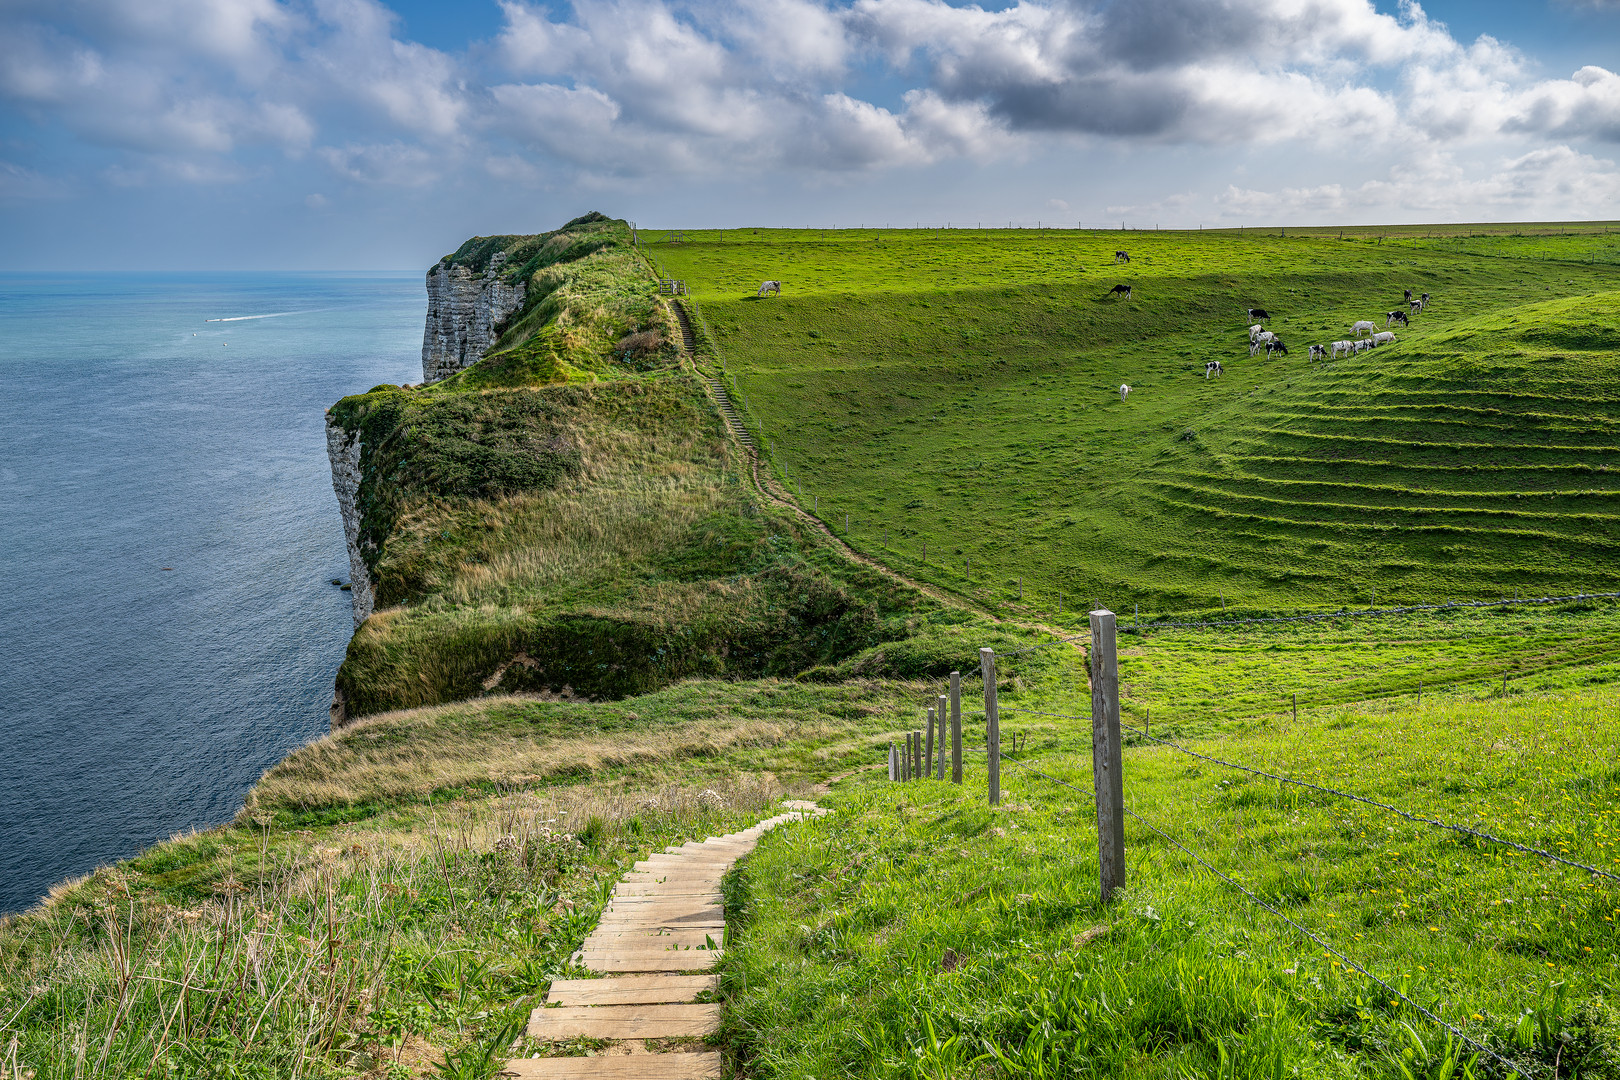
(892, 763)
(992, 723)
(1107, 768)
(928, 754)
(956, 727)
(916, 761)
(941, 710)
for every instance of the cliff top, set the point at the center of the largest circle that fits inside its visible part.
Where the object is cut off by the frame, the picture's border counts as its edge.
(522, 255)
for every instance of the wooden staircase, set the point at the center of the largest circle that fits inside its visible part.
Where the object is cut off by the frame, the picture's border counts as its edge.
(662, 931)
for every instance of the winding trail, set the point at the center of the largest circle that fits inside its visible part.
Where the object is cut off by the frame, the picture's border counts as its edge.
(768, 488)
(662, 931)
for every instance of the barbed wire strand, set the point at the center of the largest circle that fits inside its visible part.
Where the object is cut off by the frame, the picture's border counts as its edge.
(1513, 1069)
(1397, 811)
(1342, 613)
(1417, 818)
(1346, 613)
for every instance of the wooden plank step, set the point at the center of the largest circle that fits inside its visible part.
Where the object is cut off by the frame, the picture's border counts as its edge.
(630, 990)
(630, 916)
(690, 960)
(637, 889)
(681, 938)
(640, 946)
(628, 925)
(676, 1066)
(655, 934)
(688, 904)
(623, 1022)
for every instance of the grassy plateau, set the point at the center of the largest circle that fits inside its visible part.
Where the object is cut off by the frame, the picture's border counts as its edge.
(960, 389)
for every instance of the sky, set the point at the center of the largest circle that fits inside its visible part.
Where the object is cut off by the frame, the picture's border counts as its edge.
(359, 135)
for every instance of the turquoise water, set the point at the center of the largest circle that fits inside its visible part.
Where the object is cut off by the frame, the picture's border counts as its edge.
(137, 701)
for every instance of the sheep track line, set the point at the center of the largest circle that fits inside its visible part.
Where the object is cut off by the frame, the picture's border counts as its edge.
(651, 956)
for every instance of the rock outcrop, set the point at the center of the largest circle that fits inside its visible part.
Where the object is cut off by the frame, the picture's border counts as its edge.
(343, 448)
(464, 312)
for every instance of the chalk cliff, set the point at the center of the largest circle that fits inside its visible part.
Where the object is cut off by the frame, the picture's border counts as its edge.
(343, 448)
(464, 310)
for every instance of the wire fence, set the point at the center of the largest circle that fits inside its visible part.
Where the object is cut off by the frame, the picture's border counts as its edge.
(1108, 747)
(1512, 1067)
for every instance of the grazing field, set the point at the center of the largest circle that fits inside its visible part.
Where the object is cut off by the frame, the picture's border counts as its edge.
(960, 390)
(917, 932)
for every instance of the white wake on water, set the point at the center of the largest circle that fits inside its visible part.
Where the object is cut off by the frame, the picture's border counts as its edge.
(272, 315)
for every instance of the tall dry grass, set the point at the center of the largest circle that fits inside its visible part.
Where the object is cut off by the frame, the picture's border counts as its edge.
(378, 950)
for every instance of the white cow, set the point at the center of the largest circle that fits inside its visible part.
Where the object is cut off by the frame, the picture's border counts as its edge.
(769, 287)
(1255, 331)
(1124, 391)
(1343, 348)
(1385, 337)
(1364, 326)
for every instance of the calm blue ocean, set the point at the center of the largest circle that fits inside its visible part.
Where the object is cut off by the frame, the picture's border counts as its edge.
(137, 701)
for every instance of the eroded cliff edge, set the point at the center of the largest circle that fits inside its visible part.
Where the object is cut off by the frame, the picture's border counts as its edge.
(466, 309)
(566, 514)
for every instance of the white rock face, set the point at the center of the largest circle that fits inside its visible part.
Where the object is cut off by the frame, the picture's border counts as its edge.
(344, 451)
(463, 311)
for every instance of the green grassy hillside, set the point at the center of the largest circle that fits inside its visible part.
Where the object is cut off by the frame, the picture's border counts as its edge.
(589, 307)
(578, 522)
(917, 932)
(960, 389)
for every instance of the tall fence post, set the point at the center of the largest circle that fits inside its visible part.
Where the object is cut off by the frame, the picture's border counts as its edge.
(941, 710)
(893, 761)
(956, 726)
(928, 754)
(1105, 753)
(992, 723)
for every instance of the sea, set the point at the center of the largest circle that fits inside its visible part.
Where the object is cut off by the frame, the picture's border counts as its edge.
(168, 540)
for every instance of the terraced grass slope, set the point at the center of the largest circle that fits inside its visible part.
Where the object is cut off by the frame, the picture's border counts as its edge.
(960, 390)
(1476, 461)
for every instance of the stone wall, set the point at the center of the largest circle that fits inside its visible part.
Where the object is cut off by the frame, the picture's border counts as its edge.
(464, 310)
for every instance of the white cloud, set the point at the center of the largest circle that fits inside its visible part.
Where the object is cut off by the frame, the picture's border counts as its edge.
(615, 90)
(1556, 182)
(395, 164)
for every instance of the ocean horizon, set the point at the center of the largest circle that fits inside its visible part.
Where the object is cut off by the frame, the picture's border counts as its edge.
(170, 625)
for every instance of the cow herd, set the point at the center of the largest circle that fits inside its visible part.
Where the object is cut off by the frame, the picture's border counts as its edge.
(1364, 334)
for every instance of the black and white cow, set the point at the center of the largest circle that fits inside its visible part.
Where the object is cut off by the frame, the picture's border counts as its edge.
(1121, 257)
(1395, 317)
(1212, 367)
(1259, 315)
(1123, 291)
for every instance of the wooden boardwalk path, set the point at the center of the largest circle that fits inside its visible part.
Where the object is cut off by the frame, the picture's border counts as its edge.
(662, 930)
